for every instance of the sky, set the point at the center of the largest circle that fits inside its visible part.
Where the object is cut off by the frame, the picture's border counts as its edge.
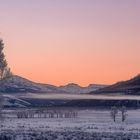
(72, 41)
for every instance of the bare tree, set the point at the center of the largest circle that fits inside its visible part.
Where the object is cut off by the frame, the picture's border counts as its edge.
(4, 70)
(113, 113)
(123, 113)
(3, 63)
(7, 73)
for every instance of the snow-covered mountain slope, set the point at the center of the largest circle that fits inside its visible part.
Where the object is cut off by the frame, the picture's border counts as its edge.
(74, 88)
(131, 87)
(17, 84)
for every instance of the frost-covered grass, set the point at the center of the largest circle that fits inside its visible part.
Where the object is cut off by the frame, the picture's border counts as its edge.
(91, 124)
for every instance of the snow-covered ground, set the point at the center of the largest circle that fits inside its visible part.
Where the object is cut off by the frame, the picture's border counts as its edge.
(89, 125)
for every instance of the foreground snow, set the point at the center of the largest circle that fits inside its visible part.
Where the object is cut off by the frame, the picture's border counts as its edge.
(90, 124)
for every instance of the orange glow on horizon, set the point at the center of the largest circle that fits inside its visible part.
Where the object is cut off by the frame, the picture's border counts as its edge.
(77, 41)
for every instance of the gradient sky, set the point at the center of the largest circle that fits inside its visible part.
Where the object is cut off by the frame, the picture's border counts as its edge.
(64, 41)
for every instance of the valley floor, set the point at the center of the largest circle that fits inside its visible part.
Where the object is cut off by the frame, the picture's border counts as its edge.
(90, 124)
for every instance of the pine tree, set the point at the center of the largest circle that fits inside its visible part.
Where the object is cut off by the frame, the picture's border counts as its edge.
(3, 62)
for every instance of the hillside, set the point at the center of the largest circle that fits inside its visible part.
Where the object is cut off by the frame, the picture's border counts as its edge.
(75, 88)
(17, 84)
(131, 86)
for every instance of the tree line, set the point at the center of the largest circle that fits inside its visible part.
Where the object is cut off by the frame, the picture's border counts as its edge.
(114, 112)
(41, 113)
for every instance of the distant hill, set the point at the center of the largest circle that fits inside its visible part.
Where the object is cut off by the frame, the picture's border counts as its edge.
(17, 84)
(75, 88)
(131, 87)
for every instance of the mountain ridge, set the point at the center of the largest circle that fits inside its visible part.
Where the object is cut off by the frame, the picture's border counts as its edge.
(72, 88)
(131, 86)
(17, 84)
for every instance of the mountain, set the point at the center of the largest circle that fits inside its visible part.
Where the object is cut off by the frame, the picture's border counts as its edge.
(131, 87)
(75, 88)
(17, 84)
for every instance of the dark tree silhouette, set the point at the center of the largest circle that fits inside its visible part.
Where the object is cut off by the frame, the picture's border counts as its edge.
(113, 113)
(123, 113)
(4, 70)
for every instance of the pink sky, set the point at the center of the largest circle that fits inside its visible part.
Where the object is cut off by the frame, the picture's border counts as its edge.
(64, 41)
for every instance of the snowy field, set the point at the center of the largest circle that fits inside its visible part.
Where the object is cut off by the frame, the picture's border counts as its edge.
(90, 124)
